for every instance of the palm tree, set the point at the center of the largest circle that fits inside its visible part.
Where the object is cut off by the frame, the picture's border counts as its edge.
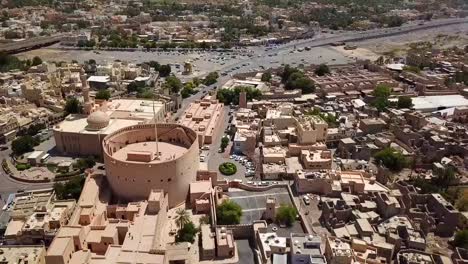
(182, 217)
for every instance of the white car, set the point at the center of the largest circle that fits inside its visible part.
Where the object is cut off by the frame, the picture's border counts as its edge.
(206, 147)
(306, 200)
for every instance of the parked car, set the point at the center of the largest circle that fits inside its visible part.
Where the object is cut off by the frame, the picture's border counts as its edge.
(206, 147)
(306, 200)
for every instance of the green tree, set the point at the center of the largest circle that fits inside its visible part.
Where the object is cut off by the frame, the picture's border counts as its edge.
(211, 78)
(266, 76)
(33, 129)
(228, 213)
(36, 61)
(228, 96)
(391, 158)
(206, 219)
(133, 87)
(322, 69)
(224, 143)
(24, 144)
(185, 93)
(298, 80)
(145, 93)
(286, 215)
(444, 177)
(381, 93)
(182, 217)
(155, 65)
(70, 189)
(164, 70)
(187, 233)
(196, 81)
(9, 62)
(86, 163)
(173, 83)
(461, 239)
(287, 72)
(103, 94)
(405, 102)
(73, 106)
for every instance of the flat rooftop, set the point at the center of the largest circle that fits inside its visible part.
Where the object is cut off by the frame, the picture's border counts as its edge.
(433, 103)
(133, 109)
(78, 123)
(29, 254)
(167, 151)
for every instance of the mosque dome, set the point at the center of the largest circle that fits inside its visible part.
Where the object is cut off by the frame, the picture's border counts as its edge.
(97, 120)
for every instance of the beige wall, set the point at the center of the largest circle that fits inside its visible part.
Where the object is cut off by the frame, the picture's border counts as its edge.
(134, 180)
(78, 144)
(61, 257)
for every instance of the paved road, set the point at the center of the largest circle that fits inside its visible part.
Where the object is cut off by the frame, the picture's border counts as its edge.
(9, 185)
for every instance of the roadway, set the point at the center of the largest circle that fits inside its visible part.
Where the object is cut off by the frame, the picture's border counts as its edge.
(32, 43)
(9, 185)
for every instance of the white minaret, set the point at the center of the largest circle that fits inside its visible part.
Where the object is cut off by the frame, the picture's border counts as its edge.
(155, 128)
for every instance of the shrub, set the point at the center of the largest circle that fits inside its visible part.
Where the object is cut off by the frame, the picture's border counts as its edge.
(22, 166)
(228, 168)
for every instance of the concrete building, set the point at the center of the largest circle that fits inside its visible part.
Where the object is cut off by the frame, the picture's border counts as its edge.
(306, 249)
(387, 205)
(22, 254)
(36, 216)
(101, 232)
(206, 117)
(136, 164)
(338, 251)
(372, 126)
(208, 247)
(316, 160)
(225, 244)
(201, 199)
(82, 135)
(245, 141)
(8, 126)
(253, 83)
(270, 243)
(335, 182)
(348, 79)
(311, 129)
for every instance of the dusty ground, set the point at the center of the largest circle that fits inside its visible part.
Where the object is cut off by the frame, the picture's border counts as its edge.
(358, 53)
(444, 37)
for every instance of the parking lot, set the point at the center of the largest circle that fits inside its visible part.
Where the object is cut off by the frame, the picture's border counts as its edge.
(254, 203)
